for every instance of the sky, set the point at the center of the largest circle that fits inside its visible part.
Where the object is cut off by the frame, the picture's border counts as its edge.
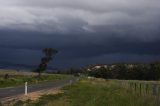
(83, 31)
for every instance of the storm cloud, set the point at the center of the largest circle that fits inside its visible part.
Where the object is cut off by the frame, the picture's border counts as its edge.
(83, 31)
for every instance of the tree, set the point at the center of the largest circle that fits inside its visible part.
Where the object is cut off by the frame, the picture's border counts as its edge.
(154, 72)
(119, 71)
(49, 53)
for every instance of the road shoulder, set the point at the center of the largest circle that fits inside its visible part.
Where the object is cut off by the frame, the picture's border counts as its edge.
(31, 96)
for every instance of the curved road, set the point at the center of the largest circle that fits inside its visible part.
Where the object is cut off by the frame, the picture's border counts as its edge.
(7, 92)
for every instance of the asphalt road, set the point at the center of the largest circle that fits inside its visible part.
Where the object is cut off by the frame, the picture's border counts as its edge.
(12, 91)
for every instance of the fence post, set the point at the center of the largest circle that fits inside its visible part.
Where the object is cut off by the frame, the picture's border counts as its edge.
(26, 88)
(135, 87)
(140, 87)
(158, 90)
(158, 95)
(147, 89)
(130, 87)
(70, 82)
(154, 89)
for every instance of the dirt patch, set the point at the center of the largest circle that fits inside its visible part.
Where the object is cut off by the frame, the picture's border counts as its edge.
(31, 96)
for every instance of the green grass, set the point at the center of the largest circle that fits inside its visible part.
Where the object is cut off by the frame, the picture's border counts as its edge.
(93, 93)
(17, 80)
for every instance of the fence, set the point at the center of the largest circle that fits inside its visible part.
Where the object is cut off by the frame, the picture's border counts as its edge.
(142, 88)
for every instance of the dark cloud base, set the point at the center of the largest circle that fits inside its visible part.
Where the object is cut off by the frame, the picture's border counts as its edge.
(75, 50)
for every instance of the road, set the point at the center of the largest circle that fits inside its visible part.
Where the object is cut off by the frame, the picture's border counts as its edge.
(12, 91)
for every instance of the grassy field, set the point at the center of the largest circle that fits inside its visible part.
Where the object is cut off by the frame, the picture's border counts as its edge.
(96, 92)
(19, 78)
(16, 72)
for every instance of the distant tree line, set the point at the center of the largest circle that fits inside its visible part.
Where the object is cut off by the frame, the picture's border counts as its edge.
(69, 71)
(122, 71)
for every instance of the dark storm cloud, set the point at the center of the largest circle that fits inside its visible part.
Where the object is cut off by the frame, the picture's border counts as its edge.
(75, 46)
(82, 30)
(74, 49)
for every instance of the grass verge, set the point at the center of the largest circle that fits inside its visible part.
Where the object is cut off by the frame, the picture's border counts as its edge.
(92, 93)
(17, 80)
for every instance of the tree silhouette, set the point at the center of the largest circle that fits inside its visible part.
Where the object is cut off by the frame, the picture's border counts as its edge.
(49, 53)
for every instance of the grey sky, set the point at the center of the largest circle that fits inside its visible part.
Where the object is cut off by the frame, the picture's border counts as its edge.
(86, 30)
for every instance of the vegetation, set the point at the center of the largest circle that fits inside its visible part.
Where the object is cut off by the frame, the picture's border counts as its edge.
(15, 80)
(128, 72)
(69, 71)
(96, 92)
(49, 52)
